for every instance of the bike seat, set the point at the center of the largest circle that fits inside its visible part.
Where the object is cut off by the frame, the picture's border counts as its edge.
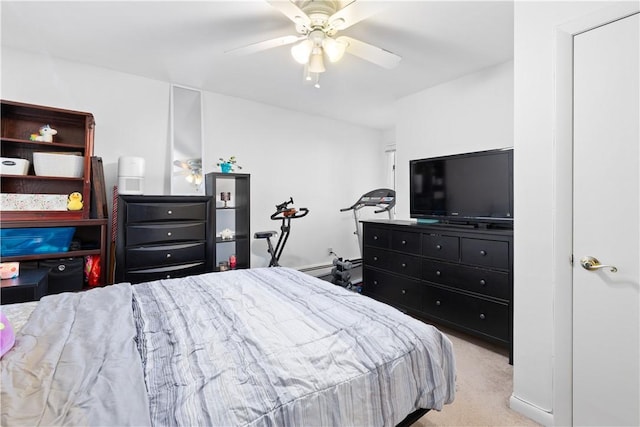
(264, 234)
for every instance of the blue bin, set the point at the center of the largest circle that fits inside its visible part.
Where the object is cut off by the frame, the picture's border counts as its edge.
(31, 241)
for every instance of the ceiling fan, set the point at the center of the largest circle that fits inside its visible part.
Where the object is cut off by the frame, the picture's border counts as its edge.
(317, 22)
(191, 169)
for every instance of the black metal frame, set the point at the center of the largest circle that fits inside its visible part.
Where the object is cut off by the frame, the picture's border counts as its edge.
(284, 214)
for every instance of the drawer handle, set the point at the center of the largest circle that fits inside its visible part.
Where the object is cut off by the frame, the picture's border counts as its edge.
(404, 291)
(404, 242)
(375, 282)
(482, 316)
(169, 234)
(404, 265)
(438, 273)
(483, 282)
(375, 237)
(168, 276)
(375, 258)
(438, 302)
(168, 255)
(483, 253)
(438, 247)
(169, 212)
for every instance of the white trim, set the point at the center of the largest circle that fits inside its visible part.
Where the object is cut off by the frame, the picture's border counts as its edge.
(563, 203)
(530, 411)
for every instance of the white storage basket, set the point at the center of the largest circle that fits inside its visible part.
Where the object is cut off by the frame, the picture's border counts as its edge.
(70, 165)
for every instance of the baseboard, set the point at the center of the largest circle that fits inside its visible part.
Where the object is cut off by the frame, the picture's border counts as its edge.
(530, 411)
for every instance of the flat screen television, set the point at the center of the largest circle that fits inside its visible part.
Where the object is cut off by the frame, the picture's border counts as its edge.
(471, 188)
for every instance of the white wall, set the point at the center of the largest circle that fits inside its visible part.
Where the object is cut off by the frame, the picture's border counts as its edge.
(324, 164)
(540, 369)
(472, 113)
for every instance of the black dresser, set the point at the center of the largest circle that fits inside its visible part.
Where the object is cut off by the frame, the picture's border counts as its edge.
(458, 277)
(162, 237)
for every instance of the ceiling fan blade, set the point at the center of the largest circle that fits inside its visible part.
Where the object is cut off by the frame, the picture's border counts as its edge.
(353, 13)
(181, 164)
(264, 45)
(293, 12)
(371, 53)
(189, 164)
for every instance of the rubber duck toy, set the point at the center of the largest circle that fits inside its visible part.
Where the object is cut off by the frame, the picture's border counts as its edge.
(75, 201)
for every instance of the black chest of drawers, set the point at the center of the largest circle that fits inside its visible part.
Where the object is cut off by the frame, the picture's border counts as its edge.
(161, 237)
(458, 277)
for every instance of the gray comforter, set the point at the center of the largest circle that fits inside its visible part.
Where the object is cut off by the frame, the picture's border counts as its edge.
(75, 363)
(248, 347)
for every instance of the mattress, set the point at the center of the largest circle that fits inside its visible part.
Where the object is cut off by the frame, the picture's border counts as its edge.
(256, 347)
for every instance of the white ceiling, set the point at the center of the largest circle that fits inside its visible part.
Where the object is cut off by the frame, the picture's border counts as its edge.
(185, 43)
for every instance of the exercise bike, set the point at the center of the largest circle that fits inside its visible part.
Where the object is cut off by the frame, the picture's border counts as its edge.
(285, 214)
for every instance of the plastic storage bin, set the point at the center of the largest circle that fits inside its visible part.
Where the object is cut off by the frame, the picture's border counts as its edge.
(30, 241)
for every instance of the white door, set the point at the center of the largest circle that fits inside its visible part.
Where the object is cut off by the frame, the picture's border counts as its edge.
(606, 321)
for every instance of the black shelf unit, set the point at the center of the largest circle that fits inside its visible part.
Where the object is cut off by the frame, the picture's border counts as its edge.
(235, 216)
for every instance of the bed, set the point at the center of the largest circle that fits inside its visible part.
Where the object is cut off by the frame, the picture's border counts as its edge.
(255, 347)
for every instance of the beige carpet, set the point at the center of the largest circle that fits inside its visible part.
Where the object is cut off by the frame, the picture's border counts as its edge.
(483, 387)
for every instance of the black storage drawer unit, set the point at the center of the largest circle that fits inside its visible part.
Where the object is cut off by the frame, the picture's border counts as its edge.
(403, 292)
(146, 212)
(486, 253)
(30, 285)
(167, 272)
(378, 237)
(440, 247)
(458, 276)
(165, 232)
(65, 275)
(406, 242)
(474, 315)
(161, 237)
(400, 263)
(150, 256)
(481, 281)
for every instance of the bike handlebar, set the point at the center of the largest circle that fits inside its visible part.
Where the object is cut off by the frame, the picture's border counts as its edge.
(297, 213)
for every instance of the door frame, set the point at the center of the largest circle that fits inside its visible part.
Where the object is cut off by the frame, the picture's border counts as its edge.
(562, 394)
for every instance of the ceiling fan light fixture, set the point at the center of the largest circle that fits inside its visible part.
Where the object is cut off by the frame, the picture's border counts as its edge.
(334, 49)
(316, 61)
(311, 78)
(302, 51)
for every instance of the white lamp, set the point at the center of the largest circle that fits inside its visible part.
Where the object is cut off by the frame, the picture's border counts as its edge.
(334, 48)
(311, 78)
(316, 62)
(301, 51)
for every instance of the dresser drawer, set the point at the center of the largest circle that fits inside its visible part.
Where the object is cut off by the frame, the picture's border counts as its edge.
(487, 253)
(476, 314)
(167, 232)
(405, 242)
(440, 247)
(377, 237)
(408, 265)
(168, 272)
(153, 212)
(486, 282)
(394, 290)
(149, 256)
